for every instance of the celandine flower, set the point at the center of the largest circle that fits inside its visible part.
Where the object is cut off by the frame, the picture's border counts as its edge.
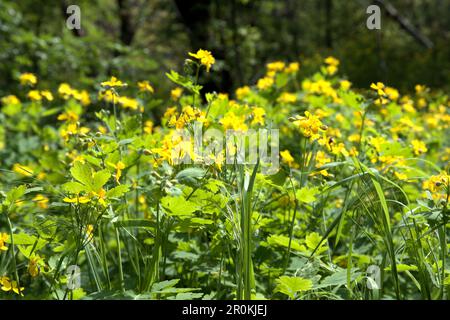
(206, 58)
(144, 86)
(27, 79)
(3, 238)
(113, 82)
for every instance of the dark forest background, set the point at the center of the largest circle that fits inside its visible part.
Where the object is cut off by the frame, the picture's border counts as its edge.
(142, 39)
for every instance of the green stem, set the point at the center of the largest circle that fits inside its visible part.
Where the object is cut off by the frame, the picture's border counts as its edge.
(119, 256)
(13, 251)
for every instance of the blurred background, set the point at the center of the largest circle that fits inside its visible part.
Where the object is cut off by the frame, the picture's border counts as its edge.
(143, 39)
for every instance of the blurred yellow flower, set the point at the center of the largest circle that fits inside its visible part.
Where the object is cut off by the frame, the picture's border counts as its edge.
(379, 88)
(47, 95)
(293, 67)
(10, 100)
(27, 79)
(69, 116)
(345, 84)
(287, 97)
(258, 116)
(287, 158)
(112, 83)
(33, 265)
(242, 92)
(176, 93)
(3, 238)
(275, 66)
(34, 95)
(22, 170)
(41, 201)
(144, 86)
(265, 83)
(206, 58)
(419, 147)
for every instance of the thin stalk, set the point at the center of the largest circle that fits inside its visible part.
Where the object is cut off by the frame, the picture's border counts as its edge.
(13, 251)
(119, 256)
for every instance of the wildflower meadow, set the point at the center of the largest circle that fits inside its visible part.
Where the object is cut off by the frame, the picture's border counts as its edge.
(295, 185)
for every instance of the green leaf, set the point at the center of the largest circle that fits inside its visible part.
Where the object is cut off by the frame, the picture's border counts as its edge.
(118, 191)
(290, 286)
(283, 241)
(82, 173)
(178, 206)
(28, 240)
(190, 176)
(73, 187)
(184, 82)
(15, 194)
(307, 195)
(100, 179)
(338, 278)
(313, 240)
(158, 286)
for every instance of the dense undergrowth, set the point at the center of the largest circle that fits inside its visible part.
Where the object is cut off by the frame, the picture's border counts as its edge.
(357, 210)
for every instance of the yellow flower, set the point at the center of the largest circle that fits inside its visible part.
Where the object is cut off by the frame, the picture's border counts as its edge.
(170, 112)
(176, 93)
(332, 65)
(275, 66)
(287, 158)
(409, 107)
(112, 83)
(321, 160)
(419, 147)
(242, 92)
(8, 285)
(68, 116)
(65, 90)
(232, 121)
(206, 58)
(77, 200)
(145, 86)
(421, 103)
(381, 101)
(47, 95)
(10, 100)
(3, 238)
(379, 88)
(130, 103)
(377, 142)
(34, 95)
(41, 200)
(119, 166)
(258, 116)
(90, 231)
(332, 61)
(27, 79)
(401, 176)
(437, 182)
(148, 127)
(420, 88)
(108, 95)
(33, 265)
(83, 97)
(265, 83)
(287, 97)
(310, 125)
(23, 170)
(345, 84)
(293, 67)
(392, 93)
